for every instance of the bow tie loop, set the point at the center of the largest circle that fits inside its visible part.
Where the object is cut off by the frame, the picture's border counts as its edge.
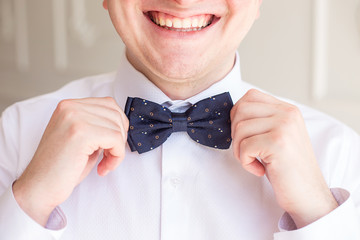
(179, 122)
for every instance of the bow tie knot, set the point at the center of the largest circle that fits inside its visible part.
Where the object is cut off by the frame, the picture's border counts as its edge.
(207, 122)
(179, 122)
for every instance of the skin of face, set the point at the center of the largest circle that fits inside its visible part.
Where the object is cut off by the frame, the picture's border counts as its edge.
(182, 64)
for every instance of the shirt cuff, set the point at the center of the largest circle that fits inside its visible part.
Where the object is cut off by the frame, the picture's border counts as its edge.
(16, 224)
(341, 223)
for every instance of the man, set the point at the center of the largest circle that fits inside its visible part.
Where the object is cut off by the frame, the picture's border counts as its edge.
(178, 52)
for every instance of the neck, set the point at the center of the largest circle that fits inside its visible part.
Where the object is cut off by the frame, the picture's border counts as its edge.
(183, 88)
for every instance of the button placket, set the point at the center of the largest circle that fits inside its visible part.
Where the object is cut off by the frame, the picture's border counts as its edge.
(176, 182)
(174, 168)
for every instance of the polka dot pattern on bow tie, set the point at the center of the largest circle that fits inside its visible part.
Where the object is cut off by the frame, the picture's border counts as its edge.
(207, 122)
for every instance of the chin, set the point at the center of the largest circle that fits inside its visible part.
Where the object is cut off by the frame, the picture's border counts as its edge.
(179, 66)
(179, 71)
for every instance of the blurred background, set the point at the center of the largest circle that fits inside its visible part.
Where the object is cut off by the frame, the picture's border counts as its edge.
(307, 50)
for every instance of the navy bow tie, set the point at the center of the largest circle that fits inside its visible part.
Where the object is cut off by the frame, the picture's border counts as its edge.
(207, 122)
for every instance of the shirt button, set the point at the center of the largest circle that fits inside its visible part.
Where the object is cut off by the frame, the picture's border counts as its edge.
(175, 182)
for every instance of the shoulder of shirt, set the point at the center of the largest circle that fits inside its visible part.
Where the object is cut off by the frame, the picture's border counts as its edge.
(81, 88)
(318, 122)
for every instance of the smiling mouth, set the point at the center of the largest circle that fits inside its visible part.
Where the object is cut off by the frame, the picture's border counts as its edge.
(190, 24)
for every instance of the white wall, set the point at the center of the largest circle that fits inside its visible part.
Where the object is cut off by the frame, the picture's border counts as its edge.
(309, 51)
(305, 50)
(60, 45)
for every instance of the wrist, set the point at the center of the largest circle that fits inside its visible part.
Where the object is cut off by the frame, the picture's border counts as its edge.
(313, 210)
(32, 204)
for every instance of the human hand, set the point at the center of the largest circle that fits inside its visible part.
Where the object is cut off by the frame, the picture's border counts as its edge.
(270, 137)
(78, 131)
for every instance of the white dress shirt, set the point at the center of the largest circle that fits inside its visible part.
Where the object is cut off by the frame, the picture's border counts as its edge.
(181, 190)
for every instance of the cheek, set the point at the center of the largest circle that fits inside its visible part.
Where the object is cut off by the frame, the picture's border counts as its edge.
(121, 13)
(242, 3)
(242, 14)
(245, 8)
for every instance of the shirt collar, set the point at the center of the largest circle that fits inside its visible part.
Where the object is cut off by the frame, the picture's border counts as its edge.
(131, 83)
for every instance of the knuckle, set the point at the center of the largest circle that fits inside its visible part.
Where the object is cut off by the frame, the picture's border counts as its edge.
(243, 162)
(233, 111)
(278, 138)
(63, 105)
(292, 111)
(111, 100)
(242, 105)
(244, 144)
(290, 116)
(118, 135)
(66, 110)
(239, 126)
(245, 165)
(126, 123)
(239, 110)
(284, 122)
(252, 92)
(70, 115)
(117, 117)
(73, 119)
(251, 95)
(76, 130)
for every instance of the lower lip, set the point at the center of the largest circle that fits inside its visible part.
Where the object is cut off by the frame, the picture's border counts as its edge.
(179, 34)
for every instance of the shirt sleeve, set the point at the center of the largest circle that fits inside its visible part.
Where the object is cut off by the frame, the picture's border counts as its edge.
(342, 223)
(14, 222)
(340, 168)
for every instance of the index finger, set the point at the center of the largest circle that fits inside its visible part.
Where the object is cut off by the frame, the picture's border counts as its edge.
(107, 102)
(254, 95)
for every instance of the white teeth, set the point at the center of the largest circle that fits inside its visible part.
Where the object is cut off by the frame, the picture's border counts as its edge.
(186, 23)
(177, 24)
(168, 23)
(195, 22)
(201, 22)
(162, 22)
(205, 23)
